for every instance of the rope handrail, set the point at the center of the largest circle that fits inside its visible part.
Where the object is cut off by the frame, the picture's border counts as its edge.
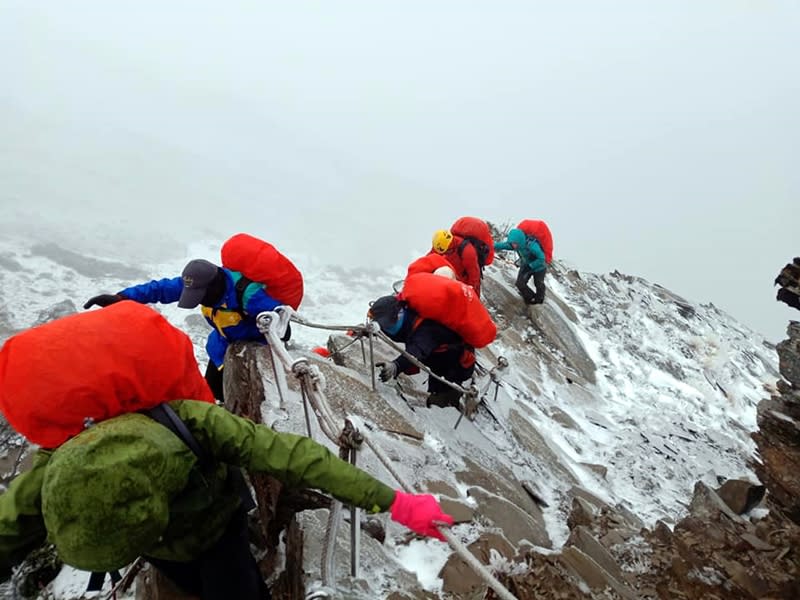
(501, 591)
(418, 363)
(371, 328)
(272, 329)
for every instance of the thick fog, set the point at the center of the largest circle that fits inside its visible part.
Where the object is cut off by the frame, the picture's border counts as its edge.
(660, 139)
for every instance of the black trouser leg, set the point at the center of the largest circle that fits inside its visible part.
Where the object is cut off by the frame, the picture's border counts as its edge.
(447, 365)
(538, 281)
(522, 283)
(214, 380)
(224, 571)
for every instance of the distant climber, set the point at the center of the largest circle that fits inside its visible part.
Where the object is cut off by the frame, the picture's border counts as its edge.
(789, 281)
(436, 346)
(230, 300)
(534, 246)
(462, 254)
(127, 484)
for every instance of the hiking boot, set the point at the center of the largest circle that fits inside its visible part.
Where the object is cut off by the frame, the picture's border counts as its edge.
(444, 399)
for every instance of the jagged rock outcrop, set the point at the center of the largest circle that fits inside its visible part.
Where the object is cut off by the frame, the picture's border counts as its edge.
(721, 549)
(778, 437)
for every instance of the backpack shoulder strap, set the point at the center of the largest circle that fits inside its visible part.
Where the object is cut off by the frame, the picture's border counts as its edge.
(480, 249)
(240, 287)
(166, 416)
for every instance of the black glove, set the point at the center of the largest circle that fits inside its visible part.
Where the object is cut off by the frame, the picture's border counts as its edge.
(388, 371)
(103, 300)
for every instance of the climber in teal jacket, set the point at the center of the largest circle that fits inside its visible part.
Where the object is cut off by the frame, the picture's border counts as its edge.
(531, 264)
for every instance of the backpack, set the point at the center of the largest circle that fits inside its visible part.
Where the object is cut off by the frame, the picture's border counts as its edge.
(259, 262)
(427, 264)
(451, 303)
(60, 377)
(476, 229)
(540, 231)
(481, 248)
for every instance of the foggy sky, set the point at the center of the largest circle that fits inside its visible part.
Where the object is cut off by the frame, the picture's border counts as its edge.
(659, 139)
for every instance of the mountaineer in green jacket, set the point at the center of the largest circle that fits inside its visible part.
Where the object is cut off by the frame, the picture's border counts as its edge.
(128, 486)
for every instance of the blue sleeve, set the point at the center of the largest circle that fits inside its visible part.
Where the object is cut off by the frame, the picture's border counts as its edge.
(165, 291)
(503, 246)
(536, 260)
(256, 300)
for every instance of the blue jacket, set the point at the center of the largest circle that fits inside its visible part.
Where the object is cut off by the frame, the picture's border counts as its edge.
(527, 247)
(230, 321)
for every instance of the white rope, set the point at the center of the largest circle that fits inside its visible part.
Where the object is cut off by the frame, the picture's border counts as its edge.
(454, 542)
(328, 563)
(269, 325)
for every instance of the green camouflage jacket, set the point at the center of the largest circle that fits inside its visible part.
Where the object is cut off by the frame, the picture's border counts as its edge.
(106, 467)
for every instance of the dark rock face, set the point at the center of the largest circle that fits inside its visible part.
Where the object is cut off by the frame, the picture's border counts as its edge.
(778, 438)
(717, 551)
(741, 496)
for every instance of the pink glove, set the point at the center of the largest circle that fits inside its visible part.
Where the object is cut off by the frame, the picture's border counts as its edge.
(419, 512)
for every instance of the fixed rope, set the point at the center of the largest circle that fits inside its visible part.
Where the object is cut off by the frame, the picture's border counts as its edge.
(272, 325)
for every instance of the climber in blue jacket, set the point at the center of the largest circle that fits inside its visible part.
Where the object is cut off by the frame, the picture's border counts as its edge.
(229, 307)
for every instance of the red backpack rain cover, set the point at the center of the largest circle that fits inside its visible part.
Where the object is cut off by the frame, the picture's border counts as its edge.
(476, 228)
(451, 303)
(428, 264)
(260, 261)
(541, 232)
(94, 365)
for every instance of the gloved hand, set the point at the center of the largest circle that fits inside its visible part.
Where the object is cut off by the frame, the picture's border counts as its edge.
(388, 371)
(419, 512)
(103, 300)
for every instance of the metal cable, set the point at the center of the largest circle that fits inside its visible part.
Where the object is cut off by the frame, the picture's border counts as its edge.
(454, 542)
(310, 374)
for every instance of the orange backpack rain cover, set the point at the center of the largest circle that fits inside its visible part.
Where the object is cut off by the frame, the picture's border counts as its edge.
(260, 261)
(94, 365)
(451, 303)
(428, 264)
(476, 228)
(541, 232)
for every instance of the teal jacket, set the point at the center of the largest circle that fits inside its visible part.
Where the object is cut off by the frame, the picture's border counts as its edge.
(199, 501)
(527, 247)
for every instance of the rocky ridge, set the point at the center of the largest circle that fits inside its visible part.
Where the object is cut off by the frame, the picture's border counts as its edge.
(540, 467)
(736, 542)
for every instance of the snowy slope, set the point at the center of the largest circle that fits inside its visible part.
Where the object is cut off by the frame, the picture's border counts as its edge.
(669, 397)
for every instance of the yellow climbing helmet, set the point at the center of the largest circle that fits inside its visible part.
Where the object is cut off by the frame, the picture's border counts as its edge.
(441, 240)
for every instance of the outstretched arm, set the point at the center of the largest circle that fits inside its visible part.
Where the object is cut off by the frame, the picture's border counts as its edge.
(301, 462)
(296, 460)
(165, 291)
